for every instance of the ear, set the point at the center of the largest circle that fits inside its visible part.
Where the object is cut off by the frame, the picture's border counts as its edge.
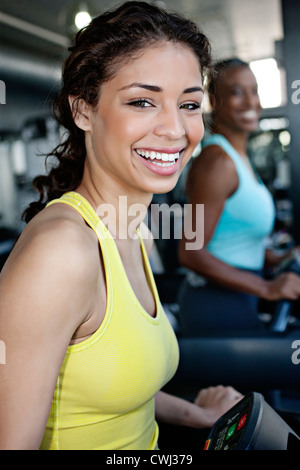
(80, 112)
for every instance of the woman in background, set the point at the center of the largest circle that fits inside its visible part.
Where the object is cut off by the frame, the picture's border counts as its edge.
(225, 281)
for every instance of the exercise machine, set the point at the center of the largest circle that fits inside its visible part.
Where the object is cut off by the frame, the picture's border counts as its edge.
(252, 425)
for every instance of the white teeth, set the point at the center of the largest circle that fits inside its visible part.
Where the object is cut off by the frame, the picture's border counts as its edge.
(250, 114)
(163, 164)
(165, 157)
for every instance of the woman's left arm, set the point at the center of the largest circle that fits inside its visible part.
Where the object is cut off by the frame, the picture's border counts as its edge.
(211, 403)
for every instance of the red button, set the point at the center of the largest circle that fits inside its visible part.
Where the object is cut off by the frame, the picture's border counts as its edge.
(242, 421)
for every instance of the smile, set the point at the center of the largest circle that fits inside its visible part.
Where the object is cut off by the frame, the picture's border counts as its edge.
(159, 159)
(249, 114)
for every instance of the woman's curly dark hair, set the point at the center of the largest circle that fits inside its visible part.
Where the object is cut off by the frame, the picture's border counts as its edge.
(99, 50)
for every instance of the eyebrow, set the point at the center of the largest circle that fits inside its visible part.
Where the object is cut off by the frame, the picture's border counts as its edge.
(158, 89)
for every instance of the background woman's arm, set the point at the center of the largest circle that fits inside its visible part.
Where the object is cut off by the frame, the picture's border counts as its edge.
(211, 181)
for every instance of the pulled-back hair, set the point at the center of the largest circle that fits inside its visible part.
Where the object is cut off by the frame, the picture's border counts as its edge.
(217, 71)
(99, 50)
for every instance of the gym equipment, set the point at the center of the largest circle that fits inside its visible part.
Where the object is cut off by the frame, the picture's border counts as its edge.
(247, 362)
(252, 425)
(280, 320)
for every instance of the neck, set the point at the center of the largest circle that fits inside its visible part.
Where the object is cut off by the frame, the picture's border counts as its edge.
(238, 140)
(121, 210)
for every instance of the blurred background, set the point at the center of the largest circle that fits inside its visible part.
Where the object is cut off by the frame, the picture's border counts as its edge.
(34, 37)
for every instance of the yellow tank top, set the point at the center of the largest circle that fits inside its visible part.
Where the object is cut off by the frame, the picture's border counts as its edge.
(104, 396)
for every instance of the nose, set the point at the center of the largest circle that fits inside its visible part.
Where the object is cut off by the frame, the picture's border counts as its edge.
(252, 99)
(170, 124)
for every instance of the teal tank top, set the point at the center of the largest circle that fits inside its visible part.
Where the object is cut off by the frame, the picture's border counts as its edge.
(247, 219)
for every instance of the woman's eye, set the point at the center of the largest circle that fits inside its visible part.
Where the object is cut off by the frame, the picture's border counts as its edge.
(191, 106)
(140, 103)
(237, 92)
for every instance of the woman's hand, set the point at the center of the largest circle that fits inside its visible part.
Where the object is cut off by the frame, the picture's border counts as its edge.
(285, 286)
(216, 401)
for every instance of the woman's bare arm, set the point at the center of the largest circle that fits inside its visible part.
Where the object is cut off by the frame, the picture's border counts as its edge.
(212, 180)
(210, 404)
(43, 299)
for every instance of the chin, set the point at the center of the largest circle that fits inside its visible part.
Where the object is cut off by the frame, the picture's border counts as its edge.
(251, 129)
(166, 187)
(250, 126)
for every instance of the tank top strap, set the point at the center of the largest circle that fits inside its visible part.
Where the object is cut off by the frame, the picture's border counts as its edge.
(241, 168)
(221, 141)
(111, 256)
(84, 208)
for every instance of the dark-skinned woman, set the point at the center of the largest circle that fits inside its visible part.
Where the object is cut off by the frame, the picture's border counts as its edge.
(225, 280)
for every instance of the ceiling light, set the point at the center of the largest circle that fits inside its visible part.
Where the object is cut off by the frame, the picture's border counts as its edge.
(82, 19)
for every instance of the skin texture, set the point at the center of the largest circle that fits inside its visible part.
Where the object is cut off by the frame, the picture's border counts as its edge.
(213, 179)
(58, 253)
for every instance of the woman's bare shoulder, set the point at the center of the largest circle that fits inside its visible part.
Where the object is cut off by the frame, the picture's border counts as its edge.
(54, 254)
(212, 171)
(214, 158)
(59, 232)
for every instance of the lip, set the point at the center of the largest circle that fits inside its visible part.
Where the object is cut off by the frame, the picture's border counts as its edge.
(161, 170)
(162, 149)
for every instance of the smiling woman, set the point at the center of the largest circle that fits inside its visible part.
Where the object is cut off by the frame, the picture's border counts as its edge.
(226, 278)
(157, 117)
(100, 50)
(89, 345)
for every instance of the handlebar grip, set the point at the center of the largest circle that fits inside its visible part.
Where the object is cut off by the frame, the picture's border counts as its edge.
(280, 320)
